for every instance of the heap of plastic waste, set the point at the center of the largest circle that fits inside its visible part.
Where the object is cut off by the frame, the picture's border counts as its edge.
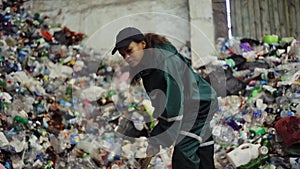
(257, 124)
(64, 105)
(61, 104)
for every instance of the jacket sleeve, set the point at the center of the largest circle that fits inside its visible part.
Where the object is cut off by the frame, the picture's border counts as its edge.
(168, 127)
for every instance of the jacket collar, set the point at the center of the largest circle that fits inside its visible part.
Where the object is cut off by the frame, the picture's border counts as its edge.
(153, 58)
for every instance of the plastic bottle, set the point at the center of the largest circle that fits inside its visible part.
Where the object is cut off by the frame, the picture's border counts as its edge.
(48, 165)
(21, 119)
(54, 85)
(243, 154)
(68, 94)
(256, 163)
(257, 131)
(263, 150)
(254, 93)
(271, 39)
(223, 135)
(266, 142)
(257, 116)
(65, 103)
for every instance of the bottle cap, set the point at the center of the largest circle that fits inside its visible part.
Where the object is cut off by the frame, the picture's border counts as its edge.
(263, 150)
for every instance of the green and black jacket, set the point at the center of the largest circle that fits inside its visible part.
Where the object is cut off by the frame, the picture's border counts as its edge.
(175, 91)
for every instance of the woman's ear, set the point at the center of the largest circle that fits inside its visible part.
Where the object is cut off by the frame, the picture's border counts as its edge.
(143, 44)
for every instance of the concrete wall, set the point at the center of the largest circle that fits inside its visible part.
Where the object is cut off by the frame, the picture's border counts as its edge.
(102, 19)
(178, 20)
(220, 18)
(202, 31)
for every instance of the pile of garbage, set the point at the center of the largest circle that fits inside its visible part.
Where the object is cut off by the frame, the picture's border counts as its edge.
(64, 105)
(257, 125)
(61, 103)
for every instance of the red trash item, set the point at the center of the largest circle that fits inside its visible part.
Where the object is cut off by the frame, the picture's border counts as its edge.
(46, 35)
(289, 129)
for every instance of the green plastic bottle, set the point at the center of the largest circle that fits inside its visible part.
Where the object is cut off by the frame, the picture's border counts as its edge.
(255, 163)
(48, 165)
(258, 131)
(69, 90)
(271, 39)
(111, 93)
(254, 92)
(21, 119)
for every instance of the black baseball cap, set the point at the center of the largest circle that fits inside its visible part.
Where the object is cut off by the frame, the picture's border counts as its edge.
(126, 36)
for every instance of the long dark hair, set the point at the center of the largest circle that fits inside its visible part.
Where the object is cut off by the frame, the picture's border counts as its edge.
(152, 40)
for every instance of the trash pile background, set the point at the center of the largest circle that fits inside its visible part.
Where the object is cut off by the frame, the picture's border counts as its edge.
(63, 105)
(257, 125)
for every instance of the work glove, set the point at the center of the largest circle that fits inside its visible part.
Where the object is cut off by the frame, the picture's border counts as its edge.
(152, 149)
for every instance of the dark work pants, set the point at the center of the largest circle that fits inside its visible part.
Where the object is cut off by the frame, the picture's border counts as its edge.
(188, 154)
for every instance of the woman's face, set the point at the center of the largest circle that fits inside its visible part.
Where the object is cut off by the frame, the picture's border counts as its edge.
(134, 53)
